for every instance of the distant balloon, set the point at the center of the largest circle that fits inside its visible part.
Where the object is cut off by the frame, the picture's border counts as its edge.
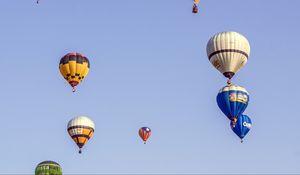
(48, 168)
(145, 133)
(241, 126)
(81, 129)
(232, 100)
(74, 67)
(228, 52)
(195, 6)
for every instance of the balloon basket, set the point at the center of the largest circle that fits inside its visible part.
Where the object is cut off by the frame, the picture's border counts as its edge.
(229, 81)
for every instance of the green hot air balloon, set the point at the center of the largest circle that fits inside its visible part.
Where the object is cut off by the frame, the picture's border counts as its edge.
(48, 168)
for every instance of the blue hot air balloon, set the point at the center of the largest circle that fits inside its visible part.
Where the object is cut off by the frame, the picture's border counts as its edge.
(233, 100)
(241, 126)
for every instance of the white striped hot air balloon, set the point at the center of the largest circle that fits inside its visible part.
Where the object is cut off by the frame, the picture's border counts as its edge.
(81, 129)
(228, 52)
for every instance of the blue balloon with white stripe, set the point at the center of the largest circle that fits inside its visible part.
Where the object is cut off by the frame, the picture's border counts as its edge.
(241, 126)
(232, 100)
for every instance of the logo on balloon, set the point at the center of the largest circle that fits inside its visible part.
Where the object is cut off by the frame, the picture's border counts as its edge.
(248, 125)
(216, 64)
(238, 97)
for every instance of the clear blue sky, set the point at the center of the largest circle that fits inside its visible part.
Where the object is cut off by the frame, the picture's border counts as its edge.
(148, 68)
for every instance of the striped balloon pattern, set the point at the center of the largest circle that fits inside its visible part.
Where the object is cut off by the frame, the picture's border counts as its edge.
(81, 129)
(228, 52)
(48, 168)
(74, 67)
(145, 133)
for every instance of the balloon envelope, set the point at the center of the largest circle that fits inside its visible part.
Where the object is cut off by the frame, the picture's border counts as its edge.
(48, 168)
(81, 129)
(74, 67)
(232, 100)
(145, 133)
(242, 125)
(228, 52)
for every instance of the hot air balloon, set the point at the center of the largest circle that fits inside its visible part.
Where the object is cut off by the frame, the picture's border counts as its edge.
(232, 100)
(145, 133)
(195, 6)
(81, 129)
(241, 126)
(228, 52)
(48, 168)
(74, 67)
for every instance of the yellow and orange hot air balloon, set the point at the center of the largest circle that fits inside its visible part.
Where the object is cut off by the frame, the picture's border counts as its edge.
(145, 133)
(195, 6)
(74, 67)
